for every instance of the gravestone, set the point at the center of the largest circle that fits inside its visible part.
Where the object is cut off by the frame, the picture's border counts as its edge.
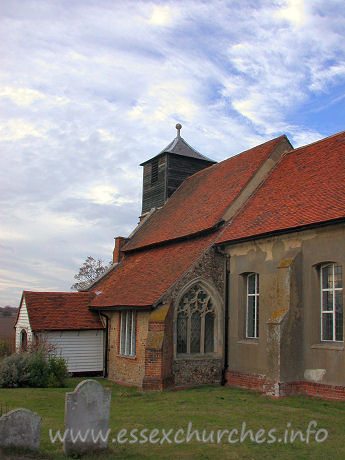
(20, 428)
(87, 411)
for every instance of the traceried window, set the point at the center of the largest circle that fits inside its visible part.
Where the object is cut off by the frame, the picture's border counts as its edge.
(128, 333)
(252, 320)
(195, 323)
(331, 303)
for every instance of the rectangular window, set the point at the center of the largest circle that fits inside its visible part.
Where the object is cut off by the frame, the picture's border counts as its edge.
(331, 303)
(252, 323)
(128, 333)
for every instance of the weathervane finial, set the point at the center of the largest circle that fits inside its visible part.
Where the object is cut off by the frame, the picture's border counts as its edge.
(178, 127)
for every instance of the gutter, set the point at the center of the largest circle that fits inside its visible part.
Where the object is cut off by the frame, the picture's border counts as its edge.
(188, 237)
(105, 371)
(281, 232)
(122, 307)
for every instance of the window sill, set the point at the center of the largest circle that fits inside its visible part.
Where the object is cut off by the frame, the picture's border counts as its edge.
(249, 341)
(329, 346)
(127, 356)
(197, 356)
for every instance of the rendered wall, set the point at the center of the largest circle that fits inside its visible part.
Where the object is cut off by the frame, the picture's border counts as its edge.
(289, 348)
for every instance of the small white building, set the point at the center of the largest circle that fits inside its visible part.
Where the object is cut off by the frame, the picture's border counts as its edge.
(63, 320)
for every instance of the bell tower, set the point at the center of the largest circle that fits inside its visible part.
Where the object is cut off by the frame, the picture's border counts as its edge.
(165, 172)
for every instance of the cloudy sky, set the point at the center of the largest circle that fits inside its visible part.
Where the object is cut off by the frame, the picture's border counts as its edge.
(90, 89)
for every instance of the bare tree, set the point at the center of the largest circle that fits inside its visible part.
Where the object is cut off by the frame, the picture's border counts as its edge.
(88, 272)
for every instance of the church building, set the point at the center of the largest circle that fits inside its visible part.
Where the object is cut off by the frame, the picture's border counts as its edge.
(233, 275)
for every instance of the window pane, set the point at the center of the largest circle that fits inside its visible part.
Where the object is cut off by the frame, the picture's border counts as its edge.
(339, 325)
(257, 284)
(181, 333)
(250, 319)
(337, 277)
(209, 333)
(195, 333)
(257, 316)
(251, 284)
(339, 315)
(327, 300)
(129, 330)
(327, 274)
(327, 326)
(134, 333)
(123, 333)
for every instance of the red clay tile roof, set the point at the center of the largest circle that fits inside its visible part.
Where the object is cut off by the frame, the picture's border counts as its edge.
(142, 277)
(60, 310)
(306, 187)
(200, 202)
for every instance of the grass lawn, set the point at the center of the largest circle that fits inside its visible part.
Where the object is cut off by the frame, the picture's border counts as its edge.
(208, 408)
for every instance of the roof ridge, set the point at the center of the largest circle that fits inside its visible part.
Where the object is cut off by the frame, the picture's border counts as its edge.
(256, 190)
(255, 147)
(319, 141)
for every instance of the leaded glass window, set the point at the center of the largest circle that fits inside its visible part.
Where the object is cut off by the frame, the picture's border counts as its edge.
(331, 303)
(195, 323)
(252, 326)
(209, 332)
(182, 324)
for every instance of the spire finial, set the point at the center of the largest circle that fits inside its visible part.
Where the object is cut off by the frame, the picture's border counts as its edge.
(178, 127)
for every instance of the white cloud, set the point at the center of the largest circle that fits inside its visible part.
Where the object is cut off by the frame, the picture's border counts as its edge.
(16, 129)
(293, 11)
(105, 194)
(105, 135)
(162, 15)
(92, 89)
(21, 96)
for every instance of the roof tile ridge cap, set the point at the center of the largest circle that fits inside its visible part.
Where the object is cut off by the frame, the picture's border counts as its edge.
(184, 237)
(256, 171)
(320, 140)
(154, 304)
(249, 199)
(253, 148)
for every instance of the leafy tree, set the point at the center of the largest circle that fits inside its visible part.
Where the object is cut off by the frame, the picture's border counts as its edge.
(88, 272)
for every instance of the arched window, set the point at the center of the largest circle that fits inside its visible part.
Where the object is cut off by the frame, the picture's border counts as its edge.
(23, 340)
(195, 322)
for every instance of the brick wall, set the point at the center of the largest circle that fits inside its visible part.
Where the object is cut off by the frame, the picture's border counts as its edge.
(158, 355)
(125, 369)
(264, 385)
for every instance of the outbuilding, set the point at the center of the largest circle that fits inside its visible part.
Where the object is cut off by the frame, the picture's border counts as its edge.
(64, 321)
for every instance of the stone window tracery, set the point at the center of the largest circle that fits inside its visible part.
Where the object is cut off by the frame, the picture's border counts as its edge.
(195, 322)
